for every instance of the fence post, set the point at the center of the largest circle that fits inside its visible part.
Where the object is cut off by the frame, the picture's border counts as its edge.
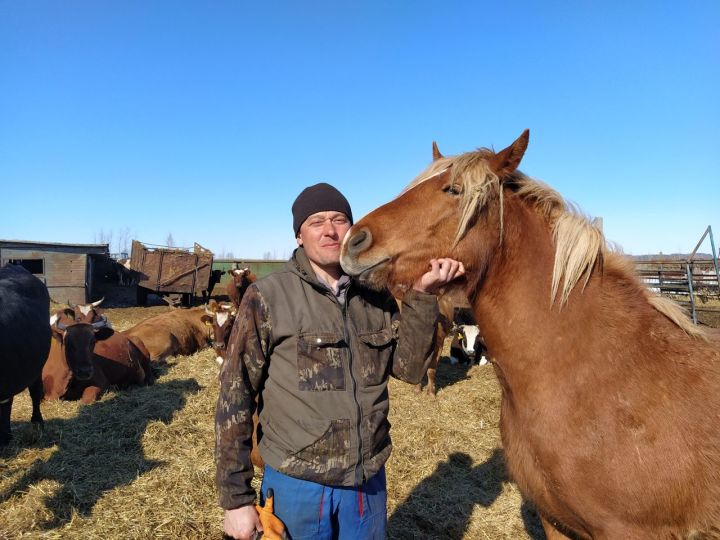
(715, 258)
(690, 289)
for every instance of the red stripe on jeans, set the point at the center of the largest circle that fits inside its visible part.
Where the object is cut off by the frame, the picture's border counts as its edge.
(360, 503)
(322, 500)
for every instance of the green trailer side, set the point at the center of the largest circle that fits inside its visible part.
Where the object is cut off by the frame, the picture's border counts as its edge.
(259, 267)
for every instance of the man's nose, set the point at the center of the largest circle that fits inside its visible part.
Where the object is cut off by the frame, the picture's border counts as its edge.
(329, 227)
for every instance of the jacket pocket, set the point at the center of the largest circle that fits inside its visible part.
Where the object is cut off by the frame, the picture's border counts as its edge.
(378, 348)
(320, 361)
(323, 454)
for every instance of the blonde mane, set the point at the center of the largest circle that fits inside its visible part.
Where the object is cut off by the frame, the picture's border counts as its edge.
(578, 241)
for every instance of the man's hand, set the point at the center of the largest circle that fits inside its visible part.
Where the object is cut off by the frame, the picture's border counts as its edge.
(442, 271)
(241, 523)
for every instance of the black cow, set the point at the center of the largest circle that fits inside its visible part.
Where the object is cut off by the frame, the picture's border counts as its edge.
(24, 341)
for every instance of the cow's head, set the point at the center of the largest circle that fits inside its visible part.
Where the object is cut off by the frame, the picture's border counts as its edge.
(468, 336)
(221, 317)
(242, 277)
(75, 329)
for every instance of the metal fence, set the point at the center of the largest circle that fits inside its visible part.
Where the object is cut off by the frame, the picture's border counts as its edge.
(692, 281)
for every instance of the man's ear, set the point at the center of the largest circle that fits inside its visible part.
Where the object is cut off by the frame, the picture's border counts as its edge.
(299, 240)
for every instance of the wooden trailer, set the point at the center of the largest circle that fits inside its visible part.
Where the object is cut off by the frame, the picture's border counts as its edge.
(175, 274)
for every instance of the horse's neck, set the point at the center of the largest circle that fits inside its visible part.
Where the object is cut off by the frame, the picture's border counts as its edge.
(519, 324)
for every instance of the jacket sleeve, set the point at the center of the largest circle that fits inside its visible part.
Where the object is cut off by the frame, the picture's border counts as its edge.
(241, 376)
(415, 326)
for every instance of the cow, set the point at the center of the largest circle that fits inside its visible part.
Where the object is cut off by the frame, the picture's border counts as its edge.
(240, 280)
(220, 316)
(470, 342)
(87, 357)
(24, 341)
(180, 331)
(215, 277)
(455, 325)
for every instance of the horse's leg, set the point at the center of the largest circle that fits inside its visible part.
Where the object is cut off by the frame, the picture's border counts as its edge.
(551, 533)
(432, 370)
(5, 433)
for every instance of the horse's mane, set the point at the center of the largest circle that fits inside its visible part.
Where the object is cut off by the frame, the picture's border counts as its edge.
(579, 243)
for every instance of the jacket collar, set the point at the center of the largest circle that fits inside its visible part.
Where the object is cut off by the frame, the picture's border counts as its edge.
(300, 264)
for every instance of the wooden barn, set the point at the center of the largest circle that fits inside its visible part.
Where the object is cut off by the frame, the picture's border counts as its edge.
(66, 269)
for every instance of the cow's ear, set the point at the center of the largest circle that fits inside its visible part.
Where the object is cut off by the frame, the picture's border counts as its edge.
(207, 319)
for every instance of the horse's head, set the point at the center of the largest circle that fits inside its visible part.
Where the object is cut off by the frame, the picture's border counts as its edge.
(452, 209)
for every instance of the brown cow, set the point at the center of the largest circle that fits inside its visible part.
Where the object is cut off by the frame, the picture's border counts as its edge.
(220, 316)
(87, 357)
(240, 280)
(180, 331)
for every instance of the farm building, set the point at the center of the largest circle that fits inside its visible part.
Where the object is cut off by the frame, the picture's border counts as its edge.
(66, 269)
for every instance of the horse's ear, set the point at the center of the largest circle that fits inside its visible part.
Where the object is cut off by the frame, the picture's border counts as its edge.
(436, 153)
(506, 161)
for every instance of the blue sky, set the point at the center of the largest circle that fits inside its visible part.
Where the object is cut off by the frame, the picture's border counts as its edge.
(204, 120)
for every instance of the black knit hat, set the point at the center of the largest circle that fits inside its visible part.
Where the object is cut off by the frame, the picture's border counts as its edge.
(321, 197)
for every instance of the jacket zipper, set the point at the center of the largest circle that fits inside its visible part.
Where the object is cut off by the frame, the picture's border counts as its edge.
(359, 472)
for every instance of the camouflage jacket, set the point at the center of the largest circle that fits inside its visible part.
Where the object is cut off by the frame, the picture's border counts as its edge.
(319, 371)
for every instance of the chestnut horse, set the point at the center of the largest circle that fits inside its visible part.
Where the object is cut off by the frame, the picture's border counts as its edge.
(610, 415)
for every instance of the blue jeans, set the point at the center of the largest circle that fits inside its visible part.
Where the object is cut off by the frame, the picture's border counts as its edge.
(318, 512)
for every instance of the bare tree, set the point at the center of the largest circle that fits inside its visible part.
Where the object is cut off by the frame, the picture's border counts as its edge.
(103, 237)
(123, 241)
(170, 241)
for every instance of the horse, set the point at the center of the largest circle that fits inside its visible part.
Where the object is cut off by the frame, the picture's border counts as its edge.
(610, 395)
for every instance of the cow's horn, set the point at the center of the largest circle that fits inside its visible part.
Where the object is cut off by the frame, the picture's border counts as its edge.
(96, 304)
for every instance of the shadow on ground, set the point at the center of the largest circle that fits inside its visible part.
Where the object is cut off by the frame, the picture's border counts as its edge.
(442, 504)
(99, 449)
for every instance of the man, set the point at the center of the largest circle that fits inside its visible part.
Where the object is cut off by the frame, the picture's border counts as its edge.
(316, 350)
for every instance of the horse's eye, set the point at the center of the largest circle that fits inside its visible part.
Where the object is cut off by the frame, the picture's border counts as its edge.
(452, 189)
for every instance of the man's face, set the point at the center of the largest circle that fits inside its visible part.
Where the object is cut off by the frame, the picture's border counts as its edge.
(321, 235)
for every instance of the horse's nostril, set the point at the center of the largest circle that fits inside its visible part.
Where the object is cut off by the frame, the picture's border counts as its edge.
(358, 238)
(360, 241)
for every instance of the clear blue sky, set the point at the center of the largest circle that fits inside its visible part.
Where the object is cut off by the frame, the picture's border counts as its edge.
(206, 119)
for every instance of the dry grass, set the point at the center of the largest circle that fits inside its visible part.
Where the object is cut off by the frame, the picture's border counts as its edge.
(139, 463)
